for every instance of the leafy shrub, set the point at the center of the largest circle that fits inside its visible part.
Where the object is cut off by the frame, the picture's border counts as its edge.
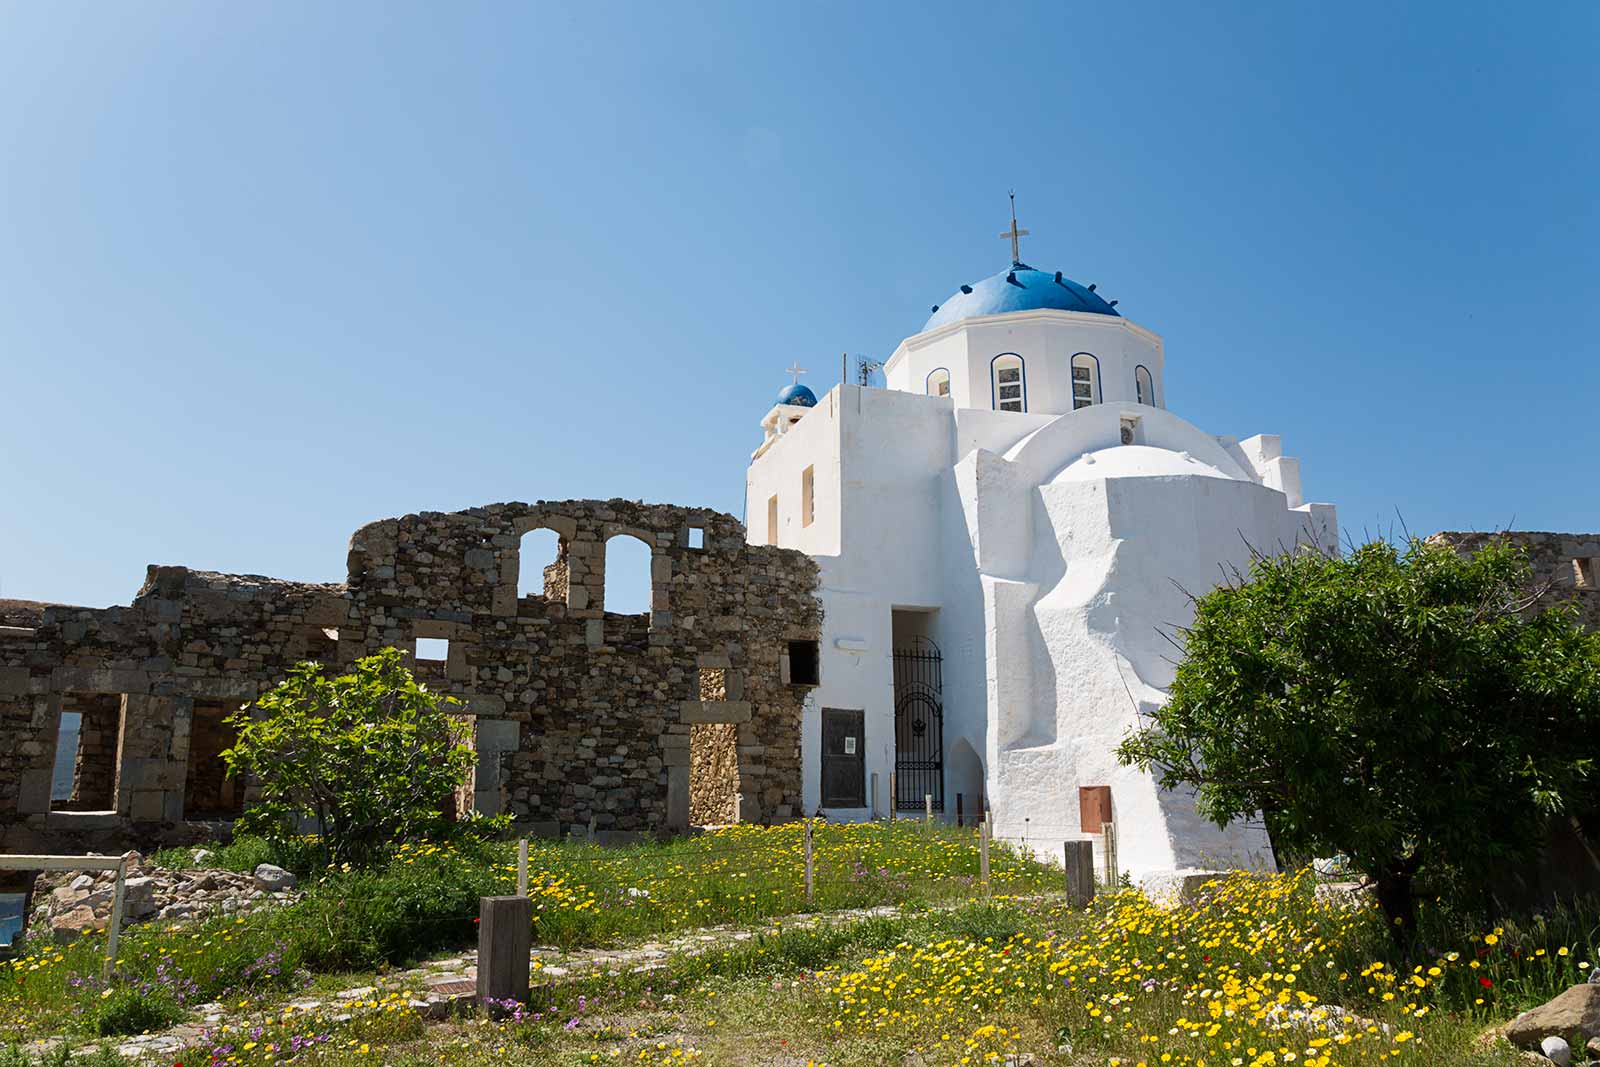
(425, 899)
(134, 1010)
(301, 854)
(369, 755)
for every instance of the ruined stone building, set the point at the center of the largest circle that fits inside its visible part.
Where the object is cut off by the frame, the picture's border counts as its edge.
(1568, 563)
(636, 722)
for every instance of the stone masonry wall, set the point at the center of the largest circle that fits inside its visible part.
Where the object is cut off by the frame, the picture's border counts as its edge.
(1571, 562)
(579, 715)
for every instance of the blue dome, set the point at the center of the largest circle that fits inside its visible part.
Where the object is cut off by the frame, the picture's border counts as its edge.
(1019, 289)
(798, 395)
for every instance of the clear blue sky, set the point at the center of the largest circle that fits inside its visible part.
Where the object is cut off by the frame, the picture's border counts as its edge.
(270, 271)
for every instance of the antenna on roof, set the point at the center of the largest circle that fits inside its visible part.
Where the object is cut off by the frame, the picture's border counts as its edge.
(864, 369)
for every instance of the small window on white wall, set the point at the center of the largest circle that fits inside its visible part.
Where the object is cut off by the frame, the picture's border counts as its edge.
(939, 383)
(1009, 383)
(1085, 380)
(808, 490)
(1144, 387)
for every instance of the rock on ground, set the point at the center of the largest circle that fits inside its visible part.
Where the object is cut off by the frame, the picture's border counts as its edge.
(1574, 1016)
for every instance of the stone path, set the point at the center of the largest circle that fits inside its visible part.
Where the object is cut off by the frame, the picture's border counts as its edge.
(439, 987)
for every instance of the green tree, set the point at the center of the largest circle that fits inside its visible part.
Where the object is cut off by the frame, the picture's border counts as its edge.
(369, 755)
(1411, 708)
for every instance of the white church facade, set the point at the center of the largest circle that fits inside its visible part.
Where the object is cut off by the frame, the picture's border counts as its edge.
(1004, 533)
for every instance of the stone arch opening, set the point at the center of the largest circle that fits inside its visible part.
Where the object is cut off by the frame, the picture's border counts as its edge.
(628, 574)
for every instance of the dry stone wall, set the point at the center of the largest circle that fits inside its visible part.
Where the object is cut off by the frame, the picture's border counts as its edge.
(580, 716)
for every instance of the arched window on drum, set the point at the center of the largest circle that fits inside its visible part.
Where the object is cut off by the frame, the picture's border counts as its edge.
(1144, 386)
(1009, 382)
(1085, 380)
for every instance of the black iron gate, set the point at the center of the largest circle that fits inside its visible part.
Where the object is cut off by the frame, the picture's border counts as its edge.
(918, 726)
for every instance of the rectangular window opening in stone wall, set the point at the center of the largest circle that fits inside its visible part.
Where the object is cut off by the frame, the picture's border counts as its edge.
(713, 773)
(1583, 571)
(88, 741)
(804, 659)
(322, 645)
(432, 658)
(697, 538)
(208, 791)
(542, 566)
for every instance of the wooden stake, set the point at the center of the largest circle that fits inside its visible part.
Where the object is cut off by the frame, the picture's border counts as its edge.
(522, 867)
(1079, 865)
(983, 856)
(114, 931)
(810, 866)
(927, 807)
(894, 796)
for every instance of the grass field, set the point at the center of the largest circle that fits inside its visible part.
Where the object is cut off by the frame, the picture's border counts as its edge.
(1260, 971)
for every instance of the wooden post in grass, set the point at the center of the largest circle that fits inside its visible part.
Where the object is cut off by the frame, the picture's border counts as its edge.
(958, 810)
(1108, 841)
(522, 867)
(894, 796)
(927, 808)
(810, 866)
(1079, 864)
(505, 938)
(114, 931)
(983, 856)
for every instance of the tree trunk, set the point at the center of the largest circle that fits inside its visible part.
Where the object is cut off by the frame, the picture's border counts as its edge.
(1398, 901)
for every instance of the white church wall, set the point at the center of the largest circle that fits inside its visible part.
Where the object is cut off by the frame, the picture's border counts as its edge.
(1046, 341)
(811, 442)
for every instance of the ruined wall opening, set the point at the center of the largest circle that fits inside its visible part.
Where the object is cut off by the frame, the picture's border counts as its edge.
(208, 791)
(713, 773)
(459, 802)
(542, 566)
(91, 731)
(322, 645)
(432, 658)
(627, 589)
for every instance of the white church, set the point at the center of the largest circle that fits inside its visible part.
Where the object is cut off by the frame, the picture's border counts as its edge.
(1004, 533)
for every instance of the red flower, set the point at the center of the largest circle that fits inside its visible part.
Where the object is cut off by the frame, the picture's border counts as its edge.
(477, 920)
(1485, 983)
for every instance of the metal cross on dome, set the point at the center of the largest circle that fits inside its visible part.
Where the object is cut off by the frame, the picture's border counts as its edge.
(795, 370)
(1014, 233)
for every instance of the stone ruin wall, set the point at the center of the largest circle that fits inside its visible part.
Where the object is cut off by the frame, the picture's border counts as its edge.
(579, 716)
(1569, 563)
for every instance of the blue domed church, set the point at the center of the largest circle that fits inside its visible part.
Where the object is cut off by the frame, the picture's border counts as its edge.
(1004, 532)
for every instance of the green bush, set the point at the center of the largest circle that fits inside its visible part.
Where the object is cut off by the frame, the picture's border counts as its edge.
(303, 855)
(360, 919)
(134, 1010)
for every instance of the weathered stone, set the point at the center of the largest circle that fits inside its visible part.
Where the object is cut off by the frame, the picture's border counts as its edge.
(1573, 1016)
(273, 878)
(1557, 1051)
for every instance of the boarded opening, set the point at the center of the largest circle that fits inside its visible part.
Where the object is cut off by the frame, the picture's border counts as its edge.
(805, 663)
(713, 773)
(86, 752)
(1094, 807)
(208, 791)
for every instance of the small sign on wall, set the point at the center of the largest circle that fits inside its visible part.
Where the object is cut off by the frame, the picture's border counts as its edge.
(849, 746)
(1094, 807)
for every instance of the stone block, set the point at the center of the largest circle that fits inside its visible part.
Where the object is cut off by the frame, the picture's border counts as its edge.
(13, 681)
(99, 680)
(1573, 1016)
(146, 805)
(33, 795)
(678, 797)
(498, 735)
(698, 711)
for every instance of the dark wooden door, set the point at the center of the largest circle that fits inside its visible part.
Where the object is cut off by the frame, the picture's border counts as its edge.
(844, 758)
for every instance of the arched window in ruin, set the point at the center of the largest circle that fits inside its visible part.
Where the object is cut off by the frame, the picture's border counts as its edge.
(542, 566)
(1085, 380)
(627, 575)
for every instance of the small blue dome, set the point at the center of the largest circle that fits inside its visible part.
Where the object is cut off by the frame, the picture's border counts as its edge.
(1019, 289)
(798, 395)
